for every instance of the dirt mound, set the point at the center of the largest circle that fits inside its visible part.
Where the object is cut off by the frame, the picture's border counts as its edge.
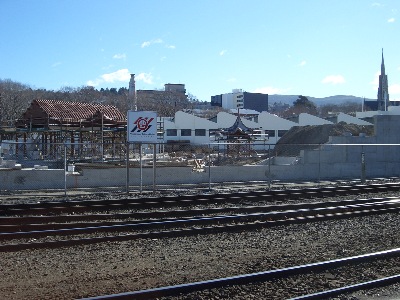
(309, 137)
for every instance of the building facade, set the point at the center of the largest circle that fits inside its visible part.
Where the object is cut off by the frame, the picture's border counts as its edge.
(240, 99)
(175, 87)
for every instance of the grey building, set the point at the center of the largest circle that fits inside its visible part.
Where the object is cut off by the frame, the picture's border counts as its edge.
(240, 99)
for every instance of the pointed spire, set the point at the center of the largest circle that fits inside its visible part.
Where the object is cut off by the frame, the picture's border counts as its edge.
(382, 65)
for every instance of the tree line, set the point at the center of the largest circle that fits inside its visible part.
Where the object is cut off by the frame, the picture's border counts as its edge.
(303, 105)
(16, 97)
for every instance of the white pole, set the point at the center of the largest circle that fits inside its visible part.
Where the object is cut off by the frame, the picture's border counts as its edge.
(65, 170)
(141, 168)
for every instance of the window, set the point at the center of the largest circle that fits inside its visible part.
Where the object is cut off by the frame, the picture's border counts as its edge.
(172, 132)
(200, 132)
(186, 132)
(271, 133)
(281, 133)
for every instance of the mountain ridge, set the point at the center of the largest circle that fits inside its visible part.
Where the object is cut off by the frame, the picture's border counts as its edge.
(337, 99)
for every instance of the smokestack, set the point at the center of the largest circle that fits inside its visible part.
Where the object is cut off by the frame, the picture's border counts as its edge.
(132, 93)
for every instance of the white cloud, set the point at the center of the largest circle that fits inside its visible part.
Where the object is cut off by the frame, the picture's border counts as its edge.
(391, 20)
(170, 46)
(375, 81)
(334, 79)
(146, 44)
(145, 77)
(303, 63)
(376, 4)
(122, 75)
(222, 52)
(56, 64)
(119, 56)
(95, 82)
(149, 43)
(394, 89)
(270, 90)
(232, 79)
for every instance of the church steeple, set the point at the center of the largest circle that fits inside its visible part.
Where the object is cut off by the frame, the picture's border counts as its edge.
(383, 89)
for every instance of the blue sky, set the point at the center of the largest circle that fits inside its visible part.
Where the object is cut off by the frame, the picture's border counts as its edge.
(316, 48)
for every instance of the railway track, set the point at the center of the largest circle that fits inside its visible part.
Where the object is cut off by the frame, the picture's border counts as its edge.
(355, 262)
(199, 221)
(266, 196)
(57, 224)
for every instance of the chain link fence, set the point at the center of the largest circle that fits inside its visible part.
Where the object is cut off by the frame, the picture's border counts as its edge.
(88, 168)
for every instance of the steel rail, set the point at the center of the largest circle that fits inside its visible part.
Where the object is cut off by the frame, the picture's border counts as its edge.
(351, 288)
(72, 229)
(26, 223)
(186, 200)
(182, 232)
(263, 212)
(175, 290)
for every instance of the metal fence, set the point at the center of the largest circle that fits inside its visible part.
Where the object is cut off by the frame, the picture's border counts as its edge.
(66, 169)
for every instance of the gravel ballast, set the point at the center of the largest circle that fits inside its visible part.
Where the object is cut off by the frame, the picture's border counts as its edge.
(107, 268)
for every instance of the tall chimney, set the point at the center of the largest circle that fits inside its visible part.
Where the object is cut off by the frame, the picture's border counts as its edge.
(132, 93)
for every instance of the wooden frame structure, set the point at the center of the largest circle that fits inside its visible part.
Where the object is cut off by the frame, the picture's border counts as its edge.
(47, 124)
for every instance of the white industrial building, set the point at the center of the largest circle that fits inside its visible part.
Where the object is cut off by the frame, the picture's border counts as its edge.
(307, 119)
(225, 120)
(268, 128)
(188, 128)
(273, 126)
(233, 100)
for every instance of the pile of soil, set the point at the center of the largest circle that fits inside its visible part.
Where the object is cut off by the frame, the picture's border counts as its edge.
(311, 136)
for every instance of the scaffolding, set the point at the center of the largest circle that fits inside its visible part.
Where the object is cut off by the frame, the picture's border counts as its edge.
(89, 132)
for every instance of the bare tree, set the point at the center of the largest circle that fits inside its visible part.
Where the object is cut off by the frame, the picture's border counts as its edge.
(15, 98)
(348, 107)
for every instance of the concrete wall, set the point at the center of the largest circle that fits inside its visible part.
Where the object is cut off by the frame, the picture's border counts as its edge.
(28, 179)
(340, 158)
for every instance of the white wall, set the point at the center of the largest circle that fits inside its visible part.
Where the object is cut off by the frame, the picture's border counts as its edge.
(307, 119)
(233, 100)
(184, 120)
(267, 121)
(351, 120)
(225, 120)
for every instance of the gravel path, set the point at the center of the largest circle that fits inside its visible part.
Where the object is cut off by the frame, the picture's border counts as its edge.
(92, 270)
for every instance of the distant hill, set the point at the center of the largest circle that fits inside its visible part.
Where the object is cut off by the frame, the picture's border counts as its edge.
(338, 99)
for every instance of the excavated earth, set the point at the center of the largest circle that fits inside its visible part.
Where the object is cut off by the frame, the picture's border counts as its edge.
(309, 137)
(116, 267)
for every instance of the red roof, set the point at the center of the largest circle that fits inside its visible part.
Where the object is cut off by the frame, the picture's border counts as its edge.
(51, 112)
(76, 110)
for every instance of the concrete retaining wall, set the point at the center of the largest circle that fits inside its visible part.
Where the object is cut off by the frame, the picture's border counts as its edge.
(332, 161)
(28, 179)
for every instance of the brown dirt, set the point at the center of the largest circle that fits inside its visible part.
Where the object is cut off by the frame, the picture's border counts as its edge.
(309, 137)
